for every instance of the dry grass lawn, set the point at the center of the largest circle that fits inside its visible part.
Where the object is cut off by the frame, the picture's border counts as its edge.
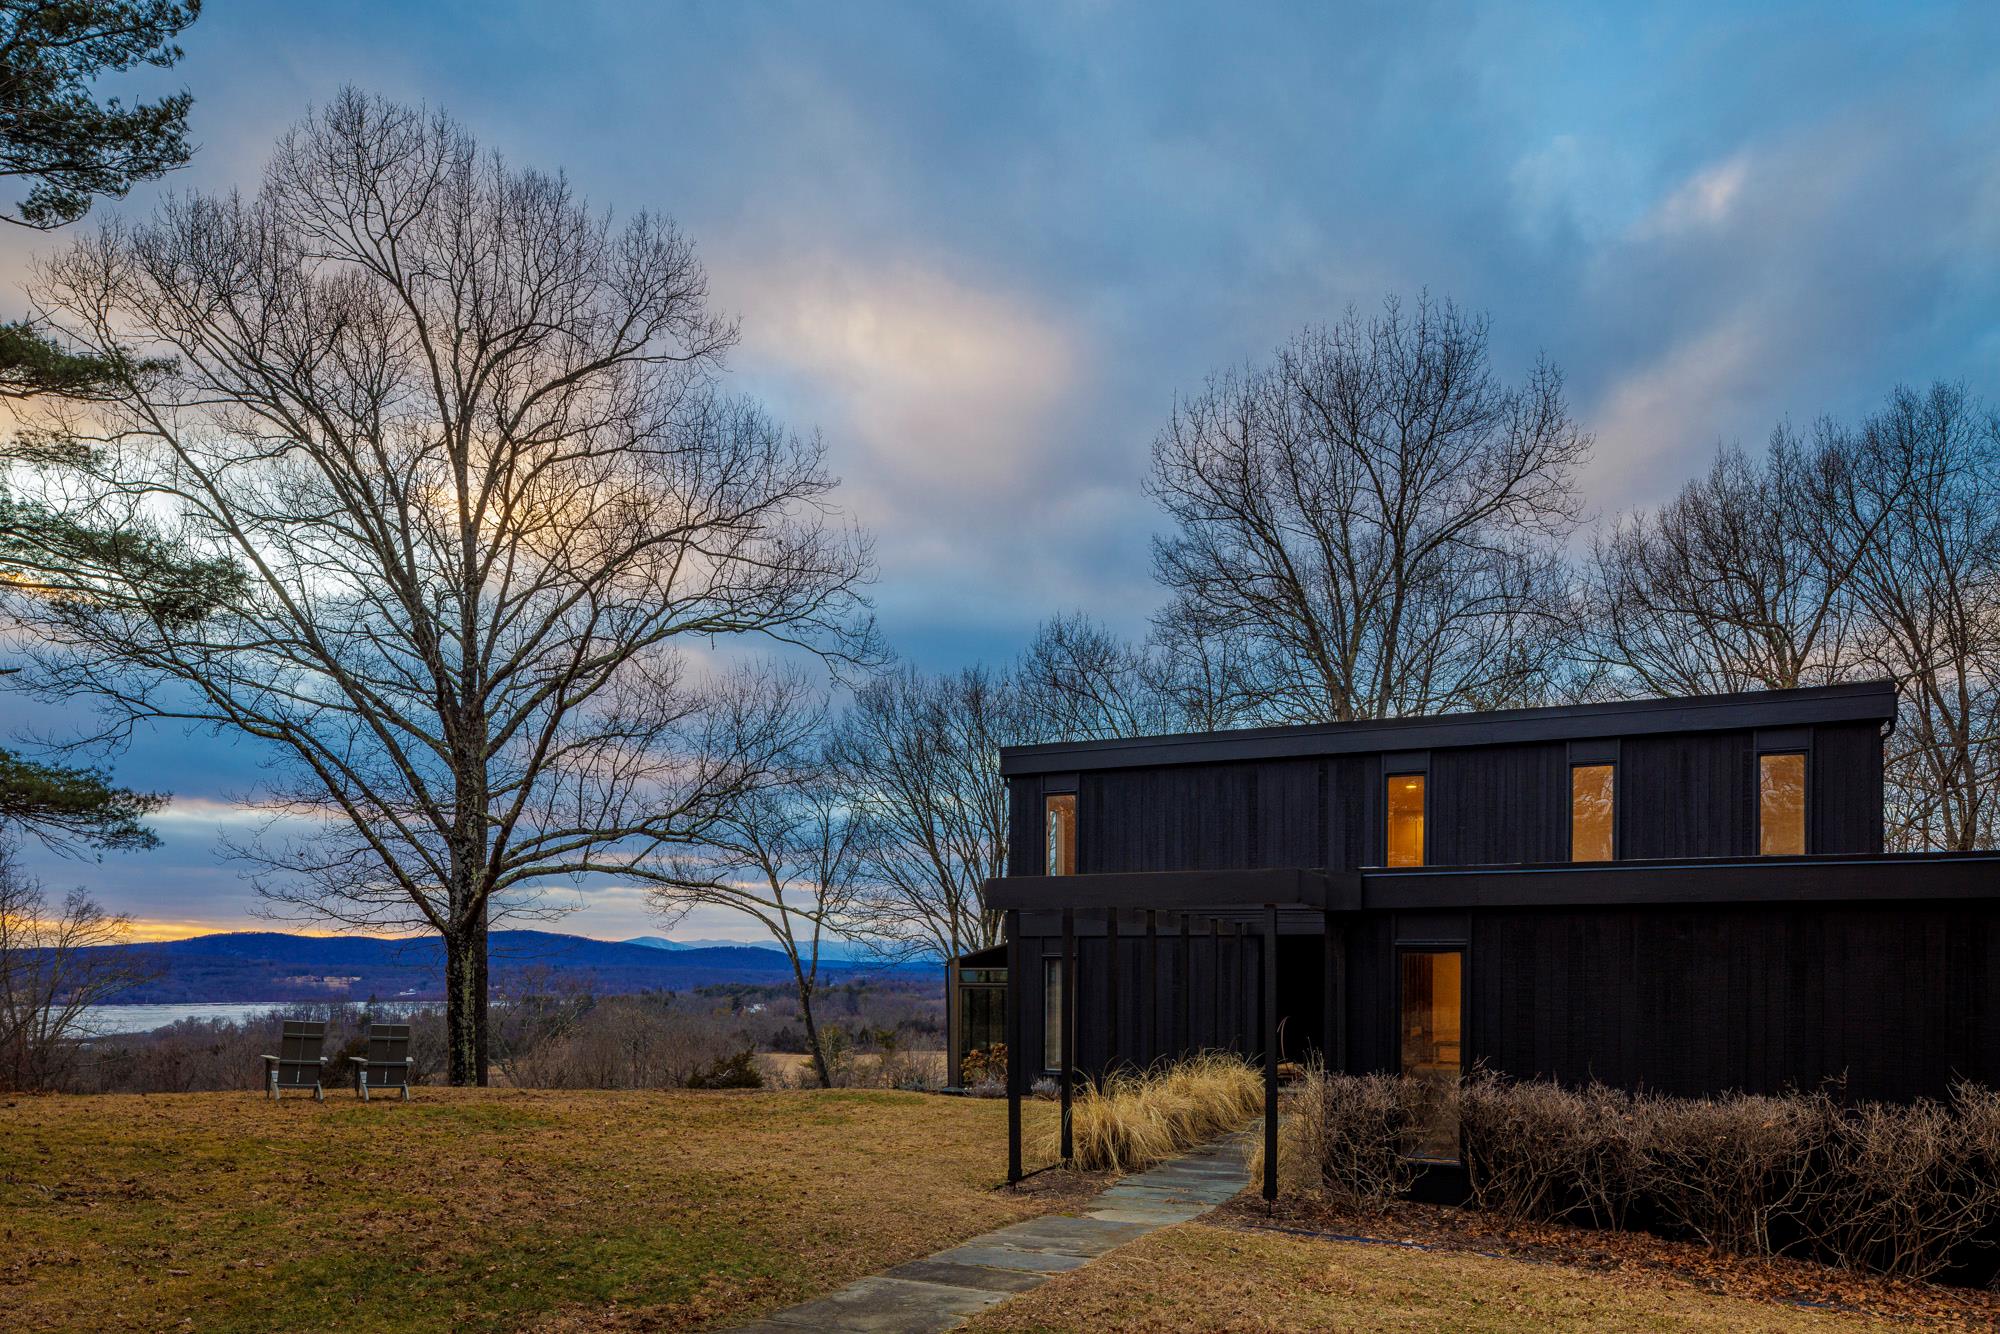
(481, 1208)
(1202, 1277)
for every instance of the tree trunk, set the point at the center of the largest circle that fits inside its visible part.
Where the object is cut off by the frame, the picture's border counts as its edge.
(465, 1002)
(806, 989)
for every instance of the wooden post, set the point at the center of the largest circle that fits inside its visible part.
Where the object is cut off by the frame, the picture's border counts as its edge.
(1187, 987)
(1151, 1048)
(1270, 1052)
(1110, 993)
(1215, 991)
(1017, 1067)
(1068, 1027)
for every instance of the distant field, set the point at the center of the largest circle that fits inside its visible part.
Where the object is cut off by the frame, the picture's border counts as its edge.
(480, 1209)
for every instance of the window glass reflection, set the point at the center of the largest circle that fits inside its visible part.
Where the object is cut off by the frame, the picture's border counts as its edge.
(1590, 797)
(1061, 827)
(1781, 804)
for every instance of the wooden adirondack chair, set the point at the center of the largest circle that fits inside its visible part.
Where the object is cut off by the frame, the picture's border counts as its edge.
(298, 1064)
(387, 1064)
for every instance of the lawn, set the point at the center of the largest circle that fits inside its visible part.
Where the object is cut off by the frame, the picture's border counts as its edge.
(1203, 1277)
(481, 1208)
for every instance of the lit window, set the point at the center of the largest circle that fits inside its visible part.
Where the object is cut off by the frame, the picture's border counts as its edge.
(1433, 1051)
(1052, 991)
(1406, 820)
(1061, 834)
(1781, 804)
(1590, 797)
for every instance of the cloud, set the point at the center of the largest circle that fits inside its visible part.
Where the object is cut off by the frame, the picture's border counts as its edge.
(1704, 199)
(943, 382)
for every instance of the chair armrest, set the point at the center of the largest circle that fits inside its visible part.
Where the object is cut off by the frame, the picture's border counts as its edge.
(269, 1060)
(357, 1060)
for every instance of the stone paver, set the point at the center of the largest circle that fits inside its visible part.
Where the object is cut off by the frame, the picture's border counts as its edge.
(940, 1291)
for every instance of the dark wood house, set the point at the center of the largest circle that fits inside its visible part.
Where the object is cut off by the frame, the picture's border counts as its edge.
(1685, 895)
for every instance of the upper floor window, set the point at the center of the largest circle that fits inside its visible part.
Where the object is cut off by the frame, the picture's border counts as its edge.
(1592, 789)
(1060, 827)
(1405, 805)
(1781, 804)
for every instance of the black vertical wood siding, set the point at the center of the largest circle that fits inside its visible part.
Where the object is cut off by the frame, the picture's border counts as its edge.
(1899, 999)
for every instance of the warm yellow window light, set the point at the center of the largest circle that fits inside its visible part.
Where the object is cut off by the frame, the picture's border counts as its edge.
(1591, 789)
(1406, 820)
(1781, 804)
(1061, 830)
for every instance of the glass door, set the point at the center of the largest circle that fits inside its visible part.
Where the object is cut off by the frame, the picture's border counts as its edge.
(1430, 1020)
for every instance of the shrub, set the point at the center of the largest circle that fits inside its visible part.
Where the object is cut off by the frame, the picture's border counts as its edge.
(1903, 1190)
(1722, 1169)
(1352, 1129)
(738, 1070)
(1134, 1120)
(1547, 1153)
(984, 1065)
(1907, 1190)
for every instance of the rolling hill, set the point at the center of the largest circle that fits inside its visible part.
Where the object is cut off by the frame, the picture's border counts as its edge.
(276, 966)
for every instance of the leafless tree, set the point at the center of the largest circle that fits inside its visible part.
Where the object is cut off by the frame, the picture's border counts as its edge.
(1371, 522)
(1080, 682)
(1738, 583)
(919, 757)
(1919, 503)
(461, 440)
(52, 970)
(786, 853)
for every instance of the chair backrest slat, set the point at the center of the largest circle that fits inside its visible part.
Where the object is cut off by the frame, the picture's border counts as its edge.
(388, 1053)
(300, 1043)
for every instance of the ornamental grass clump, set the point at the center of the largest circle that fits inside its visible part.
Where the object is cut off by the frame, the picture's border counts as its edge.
(1134, 1120)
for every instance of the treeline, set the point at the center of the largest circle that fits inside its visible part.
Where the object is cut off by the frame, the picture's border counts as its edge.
(547, 1033)
(1375, 525)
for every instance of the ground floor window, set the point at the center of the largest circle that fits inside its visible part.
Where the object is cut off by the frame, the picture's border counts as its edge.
(1052, 1013)
(982, 1011)
(1431, 1017)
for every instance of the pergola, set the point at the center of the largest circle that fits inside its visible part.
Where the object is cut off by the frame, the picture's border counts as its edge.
(1220, 902)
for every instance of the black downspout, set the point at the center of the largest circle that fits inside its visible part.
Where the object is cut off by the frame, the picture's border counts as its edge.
(1068, 1027)
(1017, 1071)
(1270, 1052)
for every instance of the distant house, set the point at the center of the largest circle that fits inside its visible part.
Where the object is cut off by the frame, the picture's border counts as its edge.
(1685, 895)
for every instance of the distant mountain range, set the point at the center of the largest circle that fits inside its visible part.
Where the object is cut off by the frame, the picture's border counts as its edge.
(828, 949)
(275, 966)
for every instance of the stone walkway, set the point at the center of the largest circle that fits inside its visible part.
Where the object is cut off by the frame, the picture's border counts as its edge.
(942, 1290)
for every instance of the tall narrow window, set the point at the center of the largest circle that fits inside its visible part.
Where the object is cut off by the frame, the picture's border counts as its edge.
(1061, 834)
(1052, 994)
(1433, 1051)
(1781, 804)
(1406, 820)
(1591, 789)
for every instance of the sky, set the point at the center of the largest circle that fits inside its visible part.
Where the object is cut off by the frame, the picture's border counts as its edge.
(981, 248)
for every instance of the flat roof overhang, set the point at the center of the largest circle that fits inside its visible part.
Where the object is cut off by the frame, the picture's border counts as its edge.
(1866, 701)
(1209, 893)
(1884, 878)
(1240, 894)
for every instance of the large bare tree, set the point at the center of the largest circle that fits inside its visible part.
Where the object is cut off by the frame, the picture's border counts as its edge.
(1371, 521)
(919, 756)
(461, 440)
(1919, 505)
(1740, 582)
